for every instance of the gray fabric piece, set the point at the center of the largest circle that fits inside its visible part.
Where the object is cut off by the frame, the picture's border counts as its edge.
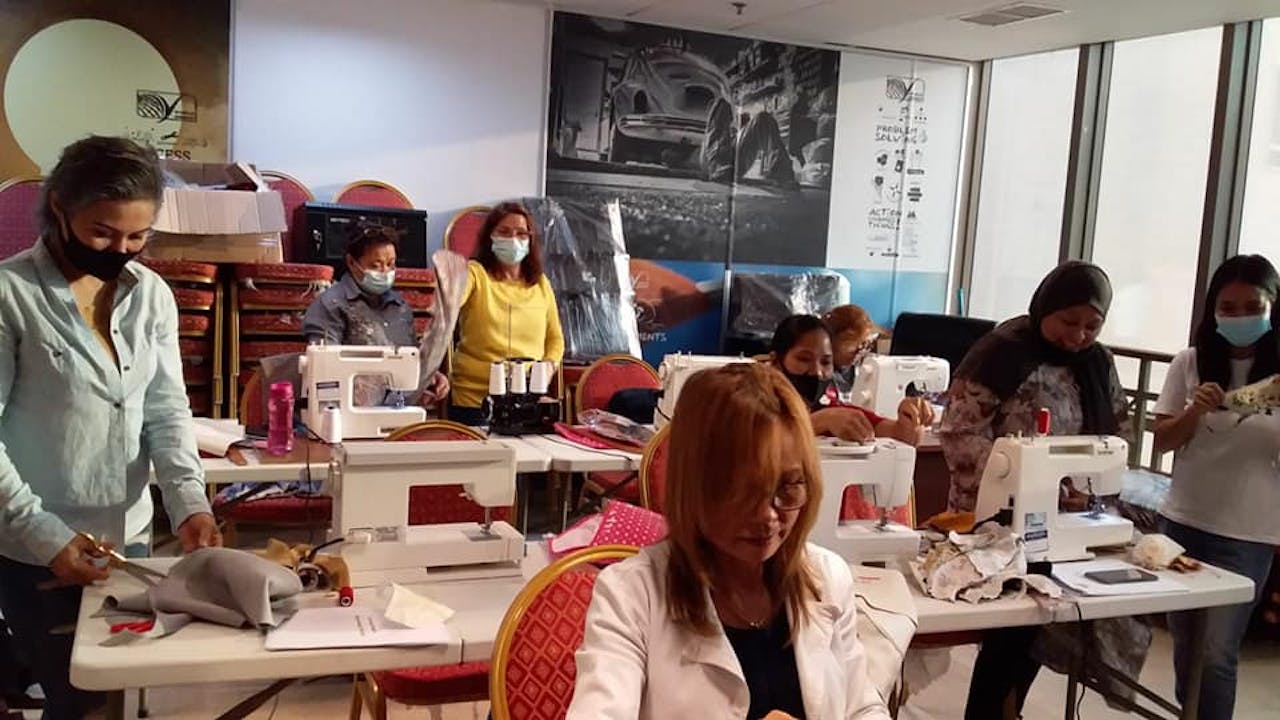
(219, 585)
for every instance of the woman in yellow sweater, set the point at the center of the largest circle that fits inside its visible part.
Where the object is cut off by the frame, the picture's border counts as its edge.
(508, 309)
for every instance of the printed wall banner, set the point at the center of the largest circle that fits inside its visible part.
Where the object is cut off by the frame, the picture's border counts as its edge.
(153, 70)
(720, 148)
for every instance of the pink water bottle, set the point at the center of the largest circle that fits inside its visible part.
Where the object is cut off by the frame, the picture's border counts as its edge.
(280, 419)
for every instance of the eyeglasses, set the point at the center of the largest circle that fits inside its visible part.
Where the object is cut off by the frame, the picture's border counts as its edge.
(516, 235)
(790, 496)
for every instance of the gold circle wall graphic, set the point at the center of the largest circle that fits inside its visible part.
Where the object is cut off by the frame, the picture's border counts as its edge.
(65, 83)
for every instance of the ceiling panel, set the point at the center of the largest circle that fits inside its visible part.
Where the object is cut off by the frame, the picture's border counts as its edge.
(930, 27)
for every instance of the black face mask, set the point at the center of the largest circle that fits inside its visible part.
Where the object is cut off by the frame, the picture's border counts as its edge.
(106, 265)
(812, 389)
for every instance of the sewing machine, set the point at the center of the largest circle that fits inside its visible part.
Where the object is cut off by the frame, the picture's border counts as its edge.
(885, 472)
(370, 483)
(882, 381)
(1022, 483)
(328, 380)
(675, 370)
(518, 403)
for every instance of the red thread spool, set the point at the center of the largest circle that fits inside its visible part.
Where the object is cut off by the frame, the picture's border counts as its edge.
(346, 596)
(1043, 421)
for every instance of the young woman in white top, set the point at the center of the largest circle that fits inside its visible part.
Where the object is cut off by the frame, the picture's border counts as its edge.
(735, 615)
(1225, 497)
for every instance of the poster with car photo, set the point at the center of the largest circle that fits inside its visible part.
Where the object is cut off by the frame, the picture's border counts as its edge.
(719, 148)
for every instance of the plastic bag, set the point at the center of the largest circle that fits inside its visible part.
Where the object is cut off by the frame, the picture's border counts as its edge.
(616, 427)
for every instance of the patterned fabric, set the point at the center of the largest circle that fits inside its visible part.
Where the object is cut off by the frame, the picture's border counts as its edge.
(373, 196)
(279, 510)
(183, 270)
(656, 476)
(18, 204)
(293, 273)
(192, 299)
(255, 351)
(540, 672)
(436, 685)
(276, 298)
(281, 323)
(192, 324)
(415, 277)
(464, 233)
(604, 379)
(293, 195)
(974, 418)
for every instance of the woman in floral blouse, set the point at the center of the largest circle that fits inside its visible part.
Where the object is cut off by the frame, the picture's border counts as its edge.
(1049, 358)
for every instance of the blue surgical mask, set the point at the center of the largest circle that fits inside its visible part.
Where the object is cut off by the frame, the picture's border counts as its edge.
(1243, 332)
(510, 251)
(377, 282)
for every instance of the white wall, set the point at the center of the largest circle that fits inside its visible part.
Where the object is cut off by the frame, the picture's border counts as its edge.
(443, 99)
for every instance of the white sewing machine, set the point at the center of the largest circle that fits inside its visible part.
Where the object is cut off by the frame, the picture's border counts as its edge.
(370, 483)
(675, 370)
(885, 472)
(328, 380)
(881, 381)
(1023, 477)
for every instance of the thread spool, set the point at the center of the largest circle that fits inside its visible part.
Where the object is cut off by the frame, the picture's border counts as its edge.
(331, 425)
(346, 596)
(540, 378)
(518, 382)
(498, 379)
(1044, 421)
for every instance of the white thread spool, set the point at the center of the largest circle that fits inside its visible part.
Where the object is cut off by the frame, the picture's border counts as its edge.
(331, 425)
(498, 379)
(519, 384)
(540, 378)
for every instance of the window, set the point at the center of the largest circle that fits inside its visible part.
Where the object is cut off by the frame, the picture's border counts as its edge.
(1151, 192)
(1024, 176)
(1260, 221)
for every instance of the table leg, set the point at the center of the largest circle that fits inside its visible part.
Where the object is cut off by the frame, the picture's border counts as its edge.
(1195, 673)
(1072, 689)
(115, 705)
(566, 496)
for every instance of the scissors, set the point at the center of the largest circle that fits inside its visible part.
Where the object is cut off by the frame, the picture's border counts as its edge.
(115, 560)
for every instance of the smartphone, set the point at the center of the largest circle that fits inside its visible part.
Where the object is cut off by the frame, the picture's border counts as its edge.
(1121, 576)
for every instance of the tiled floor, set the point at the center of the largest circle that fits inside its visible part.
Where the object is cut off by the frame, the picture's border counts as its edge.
(1258, 696)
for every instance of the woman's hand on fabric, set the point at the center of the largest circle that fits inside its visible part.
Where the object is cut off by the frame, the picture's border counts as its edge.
(844, 423)
(436, 391)
(75, 563)
(1208, 397)
(915, 412)
(199, 531)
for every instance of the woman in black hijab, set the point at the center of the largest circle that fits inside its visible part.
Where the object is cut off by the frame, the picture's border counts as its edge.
(1049, 358)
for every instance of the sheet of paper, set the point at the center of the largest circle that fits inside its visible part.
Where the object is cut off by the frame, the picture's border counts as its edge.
(350, 627)
(1072, 575)
(216, 436)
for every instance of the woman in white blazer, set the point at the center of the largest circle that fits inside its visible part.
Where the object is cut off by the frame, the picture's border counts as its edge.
(735, 615)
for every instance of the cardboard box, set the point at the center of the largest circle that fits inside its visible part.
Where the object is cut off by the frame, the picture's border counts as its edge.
(219, 212)
(217, 248)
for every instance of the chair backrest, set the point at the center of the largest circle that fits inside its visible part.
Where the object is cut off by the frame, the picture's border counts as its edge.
(653, 471)
(19, 198)
(463, 233)
(610, 374)
(532, 671)
(431, 504)
(252, 413)
(943, 336)
(373, 193)
(294, 195)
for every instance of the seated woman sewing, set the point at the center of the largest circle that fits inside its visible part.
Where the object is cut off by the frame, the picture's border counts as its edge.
(801, 349)
(853, 337)
(735, 610)
(508, 309)
(1049, 358)
(363, 308)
